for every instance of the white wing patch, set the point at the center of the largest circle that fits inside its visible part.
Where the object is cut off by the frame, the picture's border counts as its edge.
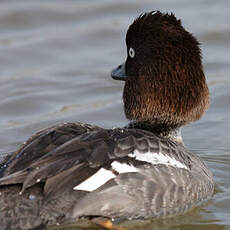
(157, 158)
(123, 167)
(96, 180)
(104, 175)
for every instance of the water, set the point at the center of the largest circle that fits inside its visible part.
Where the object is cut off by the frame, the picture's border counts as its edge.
(55, 63)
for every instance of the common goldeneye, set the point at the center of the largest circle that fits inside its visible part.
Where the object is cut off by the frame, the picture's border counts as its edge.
(143, 170)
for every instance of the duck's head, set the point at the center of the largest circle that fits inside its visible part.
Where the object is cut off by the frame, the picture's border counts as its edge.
(163, 73)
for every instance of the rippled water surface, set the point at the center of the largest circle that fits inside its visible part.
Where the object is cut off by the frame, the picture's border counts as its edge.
(55, 63)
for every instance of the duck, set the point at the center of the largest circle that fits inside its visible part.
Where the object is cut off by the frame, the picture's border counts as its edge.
(141, 171)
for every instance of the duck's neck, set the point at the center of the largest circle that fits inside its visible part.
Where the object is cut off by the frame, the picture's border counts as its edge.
(171, 132)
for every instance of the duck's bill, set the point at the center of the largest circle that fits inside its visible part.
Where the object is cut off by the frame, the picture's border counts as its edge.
(119, 73)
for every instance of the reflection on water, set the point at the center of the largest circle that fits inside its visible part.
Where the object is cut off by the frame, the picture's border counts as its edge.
(55, 60)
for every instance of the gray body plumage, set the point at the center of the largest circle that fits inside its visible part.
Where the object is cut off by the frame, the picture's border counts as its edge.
(37, 182)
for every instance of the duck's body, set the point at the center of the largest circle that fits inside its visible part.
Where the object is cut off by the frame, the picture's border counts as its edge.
(142, 176)
(77, 170)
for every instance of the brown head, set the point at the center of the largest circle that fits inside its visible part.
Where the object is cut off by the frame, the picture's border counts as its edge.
(163, 72)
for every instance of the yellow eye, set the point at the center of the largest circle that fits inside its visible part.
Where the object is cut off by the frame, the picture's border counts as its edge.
(131, 53)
